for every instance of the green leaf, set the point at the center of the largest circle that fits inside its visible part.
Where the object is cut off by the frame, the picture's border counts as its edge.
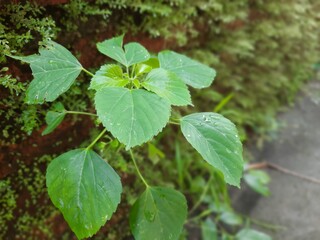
(154, 153)
(209, 230)
(216, 139)
(53, 119)
(133, 52)
(167, 85)
(109, 75)
(85, 188)
(54, 71)
(132, 116)
(190, 71)
(258, 181)
(231, 218)
(251, 234)
(159, 213)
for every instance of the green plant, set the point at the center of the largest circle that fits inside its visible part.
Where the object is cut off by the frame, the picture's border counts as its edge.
(133, 100)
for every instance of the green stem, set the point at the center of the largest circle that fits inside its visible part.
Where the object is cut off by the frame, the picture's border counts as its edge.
(82, 113)
(138, 171)
(88, 72)
(201, 215)
(97, 138)
(203, 194)
(175, 123)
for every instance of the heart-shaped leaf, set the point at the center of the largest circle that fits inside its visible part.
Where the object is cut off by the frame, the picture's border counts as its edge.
(167, 85)
(85, 188)
(54, 71)
(131, 54)
(190, 71)
(132, 116)
(216, 139)
(159, 213)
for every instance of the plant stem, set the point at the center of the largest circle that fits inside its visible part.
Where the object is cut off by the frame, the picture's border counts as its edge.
(171, 122)
(88, 72)
(201, 215)
(97, 138)
(138, 171)
(203, 194)
(82, 113)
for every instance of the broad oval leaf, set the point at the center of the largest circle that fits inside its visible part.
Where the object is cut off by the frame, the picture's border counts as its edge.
(132, 116)
(131, 54)
(85, 188)
(159, 213)
(109, 75)
(167, 85)
(54, 71)
(190, 71)
(216, 139)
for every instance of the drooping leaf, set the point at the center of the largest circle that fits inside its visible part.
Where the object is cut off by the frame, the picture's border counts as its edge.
(54, 71)
(109, 75)
(258, 181)
(132, 116)
(167, 85)
(251, 234)
(159, 213)
(209, 230)
(231, 218)
(216, 139)
(85, 188)
(131, 54)
(190, 71)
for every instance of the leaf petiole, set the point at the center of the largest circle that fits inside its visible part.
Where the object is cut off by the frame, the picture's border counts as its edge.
(81, 113)
(97, 138)
(138, 171)
(88, 72)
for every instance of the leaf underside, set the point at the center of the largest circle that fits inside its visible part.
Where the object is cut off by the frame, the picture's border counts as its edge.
(132, 116)
(159, 213)
(85, 188)
(216, 139)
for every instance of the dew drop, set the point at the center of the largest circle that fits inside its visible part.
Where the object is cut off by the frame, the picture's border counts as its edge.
(188, 135)
(228, 150)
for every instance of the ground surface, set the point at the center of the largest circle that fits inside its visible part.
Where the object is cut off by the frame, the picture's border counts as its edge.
(294, 203)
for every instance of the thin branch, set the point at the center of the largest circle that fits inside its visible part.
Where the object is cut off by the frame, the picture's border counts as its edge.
(283, 170)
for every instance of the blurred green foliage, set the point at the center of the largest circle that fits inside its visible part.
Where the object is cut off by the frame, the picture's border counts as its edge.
(263, 51)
